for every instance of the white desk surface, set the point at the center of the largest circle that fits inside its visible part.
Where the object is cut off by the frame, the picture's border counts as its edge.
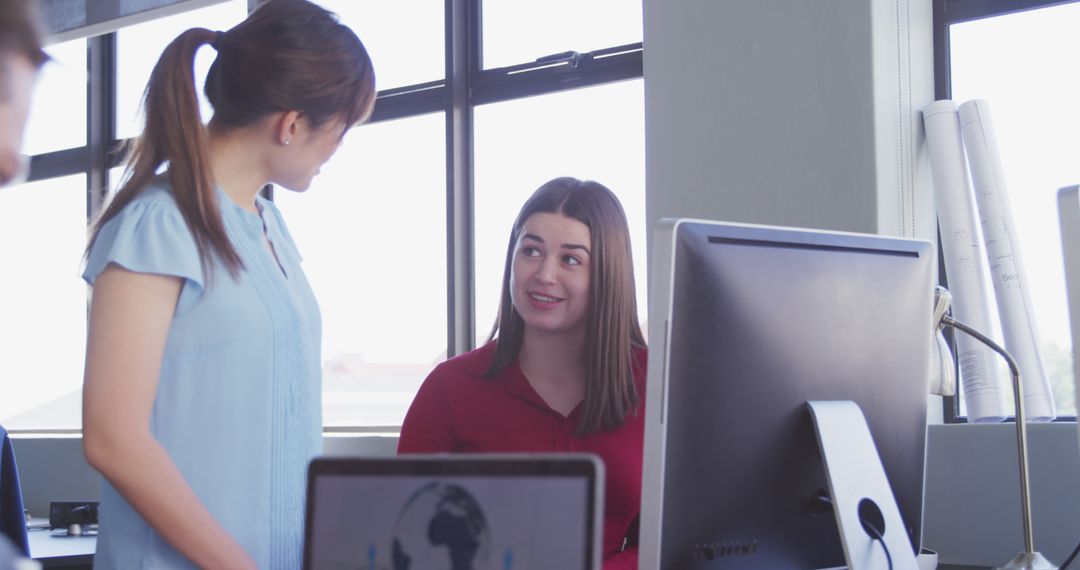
(45, 544)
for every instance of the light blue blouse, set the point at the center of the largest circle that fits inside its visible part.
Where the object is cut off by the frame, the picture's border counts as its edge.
(238, 400)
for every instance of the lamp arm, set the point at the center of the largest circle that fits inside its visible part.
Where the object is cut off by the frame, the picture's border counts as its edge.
(1021, 425)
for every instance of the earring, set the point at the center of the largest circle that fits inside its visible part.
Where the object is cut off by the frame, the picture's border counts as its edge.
(287, 141)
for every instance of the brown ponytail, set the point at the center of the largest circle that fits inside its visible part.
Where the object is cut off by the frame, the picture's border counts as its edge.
(174, 133)
(287, 55)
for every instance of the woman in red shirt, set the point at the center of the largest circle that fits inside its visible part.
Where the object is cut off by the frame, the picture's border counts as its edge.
(565, 369)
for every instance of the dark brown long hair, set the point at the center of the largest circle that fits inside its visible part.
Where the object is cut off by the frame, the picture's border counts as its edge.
(612, 328)
(287, 55)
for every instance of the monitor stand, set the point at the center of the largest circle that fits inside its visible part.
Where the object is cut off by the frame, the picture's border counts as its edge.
(861, 496)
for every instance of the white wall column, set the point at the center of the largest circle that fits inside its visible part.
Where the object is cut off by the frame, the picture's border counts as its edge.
(790, 112)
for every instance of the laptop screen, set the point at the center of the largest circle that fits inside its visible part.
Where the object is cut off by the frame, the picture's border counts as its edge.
(453, 512)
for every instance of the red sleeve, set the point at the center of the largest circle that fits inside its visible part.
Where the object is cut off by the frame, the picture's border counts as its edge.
(429, 425)
(624, 560)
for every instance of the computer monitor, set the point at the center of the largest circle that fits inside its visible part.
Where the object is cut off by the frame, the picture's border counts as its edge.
(747, 324)
(1069, 212)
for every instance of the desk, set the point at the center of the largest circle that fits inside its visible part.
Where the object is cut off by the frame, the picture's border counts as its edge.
(60, 551)
(77, 552)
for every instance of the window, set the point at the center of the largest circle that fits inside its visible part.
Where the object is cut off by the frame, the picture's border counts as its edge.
(373, 227)
(372, 232)
(521, 32)
(404, 39)
(596, 133)
(139, 47)
(1031, 89)
(58, 109)
(43, 303)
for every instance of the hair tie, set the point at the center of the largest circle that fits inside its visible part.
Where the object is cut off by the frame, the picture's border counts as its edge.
(216, 44)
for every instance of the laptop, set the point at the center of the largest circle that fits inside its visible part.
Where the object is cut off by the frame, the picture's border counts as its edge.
(455, 512)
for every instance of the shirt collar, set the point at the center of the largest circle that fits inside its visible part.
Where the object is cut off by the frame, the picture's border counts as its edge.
(252, 222)
(517, 385)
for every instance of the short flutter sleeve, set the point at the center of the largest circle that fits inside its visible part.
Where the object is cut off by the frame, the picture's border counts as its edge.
(149, 236)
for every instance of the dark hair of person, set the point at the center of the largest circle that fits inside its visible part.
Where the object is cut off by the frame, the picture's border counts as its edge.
(288, 55)
(612, 328)
(20, 35)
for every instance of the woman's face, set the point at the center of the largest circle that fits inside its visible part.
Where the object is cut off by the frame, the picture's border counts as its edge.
(311, 148)
(549, 283)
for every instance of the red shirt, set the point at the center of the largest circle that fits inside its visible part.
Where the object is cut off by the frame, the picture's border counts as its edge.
(457, 410)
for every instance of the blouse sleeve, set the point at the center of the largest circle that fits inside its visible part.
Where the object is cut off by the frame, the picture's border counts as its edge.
(429, 423)
(149, 237)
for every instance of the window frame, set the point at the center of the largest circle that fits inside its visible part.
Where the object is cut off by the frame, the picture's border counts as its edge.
(465, 86)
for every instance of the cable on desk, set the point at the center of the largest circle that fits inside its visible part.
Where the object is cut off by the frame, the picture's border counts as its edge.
(1071, 557)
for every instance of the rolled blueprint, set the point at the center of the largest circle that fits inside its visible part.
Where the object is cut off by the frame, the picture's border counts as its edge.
(1002, 252)
(981, 377)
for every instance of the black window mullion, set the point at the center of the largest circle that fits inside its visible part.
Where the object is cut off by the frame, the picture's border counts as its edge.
(410, 101)
(58, 163)
(559, 73)
(942, 52)
(943, 90)
(462, 17)
(476, 37)
(100, 119)
(956, 11)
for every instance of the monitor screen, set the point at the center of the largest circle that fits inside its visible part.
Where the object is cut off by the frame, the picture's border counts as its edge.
(450, 512)
(751, 322)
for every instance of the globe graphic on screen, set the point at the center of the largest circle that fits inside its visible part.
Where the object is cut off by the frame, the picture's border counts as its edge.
(441, 527)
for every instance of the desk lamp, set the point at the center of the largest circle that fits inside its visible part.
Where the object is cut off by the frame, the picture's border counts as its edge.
(1029, 559)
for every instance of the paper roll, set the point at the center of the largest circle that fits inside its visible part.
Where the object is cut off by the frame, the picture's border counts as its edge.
(1003, 254)
(981, 377)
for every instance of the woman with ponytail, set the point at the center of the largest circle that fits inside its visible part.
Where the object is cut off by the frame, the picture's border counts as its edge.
(201, 397)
